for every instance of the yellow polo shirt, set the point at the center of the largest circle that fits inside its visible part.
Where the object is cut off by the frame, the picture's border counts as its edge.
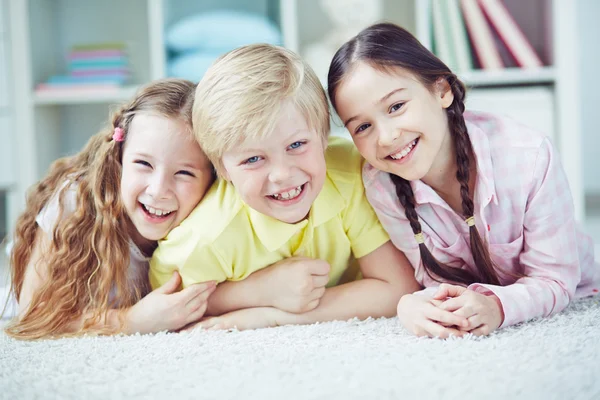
(225, 239)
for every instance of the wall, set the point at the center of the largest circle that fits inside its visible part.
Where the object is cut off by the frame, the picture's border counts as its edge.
(589, 53)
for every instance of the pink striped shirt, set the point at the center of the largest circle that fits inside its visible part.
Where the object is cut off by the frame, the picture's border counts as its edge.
(523, 207)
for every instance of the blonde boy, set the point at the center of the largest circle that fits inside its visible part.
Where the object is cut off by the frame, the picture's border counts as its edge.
(261, 115)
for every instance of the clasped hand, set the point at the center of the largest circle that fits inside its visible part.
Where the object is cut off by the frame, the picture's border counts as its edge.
(452, 310)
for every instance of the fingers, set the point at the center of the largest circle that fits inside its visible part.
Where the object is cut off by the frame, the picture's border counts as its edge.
(446, 317)
(194, 290)
(171, 285)
(312, 305)
(483, 330)
(319, 267)
(317, 293)
(198, 300)
(435, 330)
(197, 314)
(214, 323)
(447, 290)
(475, 321)
(320, 280)
(454, 303)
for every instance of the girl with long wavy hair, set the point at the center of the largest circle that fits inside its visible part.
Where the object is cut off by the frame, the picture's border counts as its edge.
(79, 263)
(475, 201)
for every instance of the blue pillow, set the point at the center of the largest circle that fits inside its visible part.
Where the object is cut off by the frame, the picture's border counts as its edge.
(191, 66)
(221, 29)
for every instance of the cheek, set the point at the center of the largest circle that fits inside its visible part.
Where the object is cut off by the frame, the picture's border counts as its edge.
(248, 184)
(366, 146)
(189, 196)
(128, 187)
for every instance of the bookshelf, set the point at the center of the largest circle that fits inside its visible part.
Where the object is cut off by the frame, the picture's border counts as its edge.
(51, 126)
(545, 98)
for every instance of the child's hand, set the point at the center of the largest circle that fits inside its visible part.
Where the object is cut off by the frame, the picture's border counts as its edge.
(484, 313)
(248, 318)
(164, 309)
(295, 284)
(422, 317)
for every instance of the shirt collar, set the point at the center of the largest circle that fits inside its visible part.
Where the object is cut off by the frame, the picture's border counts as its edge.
(485, 189)
(273, 233)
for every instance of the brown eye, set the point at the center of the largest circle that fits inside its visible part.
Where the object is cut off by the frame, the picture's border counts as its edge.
(396, 107)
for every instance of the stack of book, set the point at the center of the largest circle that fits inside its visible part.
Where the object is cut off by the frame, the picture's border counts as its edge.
(92, 68)
(481, 28)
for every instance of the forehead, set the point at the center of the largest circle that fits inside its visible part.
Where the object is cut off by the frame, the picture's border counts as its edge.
(366, 78)
(289, 123)
(152, 133)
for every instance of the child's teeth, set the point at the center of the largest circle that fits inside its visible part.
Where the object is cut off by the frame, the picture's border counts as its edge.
(404, 151)
(290, 194)
(157, 212)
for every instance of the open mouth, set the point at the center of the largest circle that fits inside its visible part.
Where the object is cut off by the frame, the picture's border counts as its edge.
(155, 213)
(288, 195)
(405, 151)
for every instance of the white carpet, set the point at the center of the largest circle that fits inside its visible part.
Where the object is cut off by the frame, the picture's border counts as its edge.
(556, 358)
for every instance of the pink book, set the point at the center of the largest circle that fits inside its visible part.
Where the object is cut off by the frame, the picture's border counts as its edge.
(481, 36)
(510, 33)
(79, 55)
(100, 72)
(77, 88)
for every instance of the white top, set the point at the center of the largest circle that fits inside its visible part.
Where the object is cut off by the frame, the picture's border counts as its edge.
(47, 219)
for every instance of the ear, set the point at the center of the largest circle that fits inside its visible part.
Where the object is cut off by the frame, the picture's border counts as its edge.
(444, 92)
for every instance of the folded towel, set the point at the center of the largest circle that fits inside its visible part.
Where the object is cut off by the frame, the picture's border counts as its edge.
(221, 29)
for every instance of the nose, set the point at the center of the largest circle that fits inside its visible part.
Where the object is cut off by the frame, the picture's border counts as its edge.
(387, 135)
(158, 186)
(280, 170)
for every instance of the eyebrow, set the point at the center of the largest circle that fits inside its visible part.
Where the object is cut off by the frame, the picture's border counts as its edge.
(191, 166)
(185, 165)
(384, 98)
(291, 137)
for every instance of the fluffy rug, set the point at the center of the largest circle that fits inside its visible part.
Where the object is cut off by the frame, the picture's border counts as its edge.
(556, 358)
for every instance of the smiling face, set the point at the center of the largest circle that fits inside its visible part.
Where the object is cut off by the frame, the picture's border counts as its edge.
(165, 174)
(282, 174)
(398, 125)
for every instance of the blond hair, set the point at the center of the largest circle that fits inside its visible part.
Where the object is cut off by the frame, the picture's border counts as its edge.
(88, 259)
(241, 96)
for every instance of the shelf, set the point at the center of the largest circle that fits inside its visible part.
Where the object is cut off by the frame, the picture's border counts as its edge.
(509, 76)
(108, 95)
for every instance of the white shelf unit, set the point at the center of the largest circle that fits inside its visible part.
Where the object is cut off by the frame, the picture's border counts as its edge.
(551, 92)
(7, 134)
(42, 32)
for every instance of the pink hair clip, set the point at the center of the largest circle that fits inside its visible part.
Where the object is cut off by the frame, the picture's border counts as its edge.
(119, 135)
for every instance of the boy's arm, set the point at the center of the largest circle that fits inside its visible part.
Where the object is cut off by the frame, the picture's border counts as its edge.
(294, 284)
(387, 276)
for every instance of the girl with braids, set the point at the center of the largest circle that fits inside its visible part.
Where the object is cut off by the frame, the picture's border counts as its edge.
(475, 201)
(81, 248)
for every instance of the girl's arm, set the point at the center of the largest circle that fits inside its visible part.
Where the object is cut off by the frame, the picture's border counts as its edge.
(549, 260)
(162, 309)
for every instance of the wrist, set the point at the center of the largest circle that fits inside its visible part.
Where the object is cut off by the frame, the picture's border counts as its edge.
(259, 289)
(500, 308)
(124, 321)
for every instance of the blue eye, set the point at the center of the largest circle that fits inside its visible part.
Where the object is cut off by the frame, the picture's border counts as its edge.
(252, 160)
(296, 145)
(396, 107)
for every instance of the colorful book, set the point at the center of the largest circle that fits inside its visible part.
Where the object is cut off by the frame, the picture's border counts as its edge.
(460, 40)
(510, 33)
(481, 36)
(442, 42)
